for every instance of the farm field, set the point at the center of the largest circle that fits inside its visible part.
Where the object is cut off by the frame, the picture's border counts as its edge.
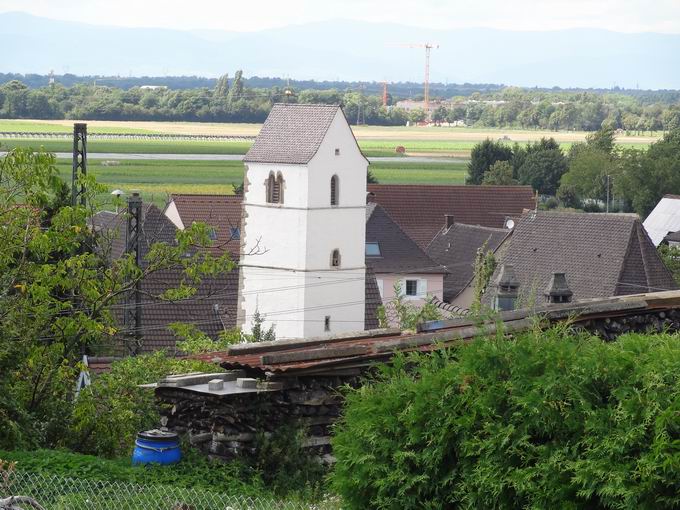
(374, 140)
(156, 179)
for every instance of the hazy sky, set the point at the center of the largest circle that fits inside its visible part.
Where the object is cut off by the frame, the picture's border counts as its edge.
(617, 15)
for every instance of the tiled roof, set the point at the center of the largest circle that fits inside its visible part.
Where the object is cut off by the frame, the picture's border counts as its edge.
(373, 300)
(211, 309)
(420, 209)
(673, 236)
(398, 252)
(222, 212)
(456, 248)
(292, 133)
(602, 255)
(155, 228)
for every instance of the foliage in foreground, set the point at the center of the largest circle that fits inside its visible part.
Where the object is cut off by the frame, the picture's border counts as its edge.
(547, 420)
(195, 471)
(109, 413)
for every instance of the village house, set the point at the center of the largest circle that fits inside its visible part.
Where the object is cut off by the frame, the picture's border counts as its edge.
(591, 255)
(455, 247)
(399, 263)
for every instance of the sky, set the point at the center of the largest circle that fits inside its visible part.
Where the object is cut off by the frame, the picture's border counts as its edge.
(617, 15)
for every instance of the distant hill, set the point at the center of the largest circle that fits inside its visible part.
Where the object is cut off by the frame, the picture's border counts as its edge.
(346, 50)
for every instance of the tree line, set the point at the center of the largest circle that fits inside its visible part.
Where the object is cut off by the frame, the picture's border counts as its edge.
(236, 99)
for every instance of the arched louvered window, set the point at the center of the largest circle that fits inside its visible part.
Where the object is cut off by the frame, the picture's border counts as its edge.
(335, 258)
(335, 198)
(275, 189)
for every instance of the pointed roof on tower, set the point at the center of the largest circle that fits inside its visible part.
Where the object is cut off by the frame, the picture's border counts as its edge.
(292, 133)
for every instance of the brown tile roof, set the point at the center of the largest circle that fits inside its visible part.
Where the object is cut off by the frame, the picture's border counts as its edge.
(602, 255)
(398, 252)
(456, 248)
(420, 209)
(222, 212)
(373, 300)
(292, 133)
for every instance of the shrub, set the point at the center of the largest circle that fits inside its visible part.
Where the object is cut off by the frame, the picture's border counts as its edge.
(109, 413)
(547, 420)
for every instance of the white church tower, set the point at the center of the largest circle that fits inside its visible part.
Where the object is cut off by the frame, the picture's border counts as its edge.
(304, 225)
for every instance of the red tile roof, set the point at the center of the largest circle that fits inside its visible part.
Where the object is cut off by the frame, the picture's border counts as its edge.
(420, 209)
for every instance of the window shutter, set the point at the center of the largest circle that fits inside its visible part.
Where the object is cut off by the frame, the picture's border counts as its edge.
(422, 288)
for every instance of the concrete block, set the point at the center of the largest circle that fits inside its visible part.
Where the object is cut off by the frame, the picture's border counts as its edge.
(215, 385)
(246, 383)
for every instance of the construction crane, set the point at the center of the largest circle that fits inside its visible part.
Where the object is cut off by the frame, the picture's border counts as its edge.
(426, 86)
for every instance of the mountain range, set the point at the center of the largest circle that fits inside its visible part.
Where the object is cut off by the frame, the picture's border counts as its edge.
(346, 50)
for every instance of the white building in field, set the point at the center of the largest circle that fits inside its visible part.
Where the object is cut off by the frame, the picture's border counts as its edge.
(303, 228)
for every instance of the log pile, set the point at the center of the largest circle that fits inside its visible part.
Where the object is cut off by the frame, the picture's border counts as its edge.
(229, 426)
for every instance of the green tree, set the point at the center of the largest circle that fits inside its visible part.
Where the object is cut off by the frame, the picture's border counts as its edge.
(58, 293)
(439, 115)
(671, 259)
(500, 174)
(588, 174)
(543, 170)
(221, 89)
(483, 156)
(645, 177)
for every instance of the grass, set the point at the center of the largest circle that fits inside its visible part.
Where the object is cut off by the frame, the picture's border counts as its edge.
(419, 173)
(156, 179)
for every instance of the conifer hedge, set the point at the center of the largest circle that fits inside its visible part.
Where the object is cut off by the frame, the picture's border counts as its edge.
(549, 419)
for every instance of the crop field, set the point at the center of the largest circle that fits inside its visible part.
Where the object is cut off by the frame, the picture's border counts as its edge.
(374, 140)
(156, 179)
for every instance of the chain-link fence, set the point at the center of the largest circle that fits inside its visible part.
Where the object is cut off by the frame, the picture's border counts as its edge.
(63, 493)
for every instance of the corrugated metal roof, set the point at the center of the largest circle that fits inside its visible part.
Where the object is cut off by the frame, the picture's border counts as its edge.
(333, 356)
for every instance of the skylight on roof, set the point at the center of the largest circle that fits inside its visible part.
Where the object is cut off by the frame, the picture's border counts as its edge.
(235, 232)
(373, 250)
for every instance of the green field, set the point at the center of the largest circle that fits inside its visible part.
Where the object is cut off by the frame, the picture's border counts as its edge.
(156, 179)
(28, 126)
(134, 146)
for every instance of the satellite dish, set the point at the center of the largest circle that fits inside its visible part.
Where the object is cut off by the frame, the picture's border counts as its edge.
(510, 224)
(118, 192)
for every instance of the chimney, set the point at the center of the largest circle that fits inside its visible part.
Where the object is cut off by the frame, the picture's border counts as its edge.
(448, 219)
(370, 197)
(558, 290)
(507, 286)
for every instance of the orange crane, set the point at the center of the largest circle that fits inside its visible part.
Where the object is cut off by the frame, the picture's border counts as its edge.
(384, 93)
(426, 88)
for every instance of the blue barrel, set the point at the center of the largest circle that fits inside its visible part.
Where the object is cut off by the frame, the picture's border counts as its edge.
(156, 447)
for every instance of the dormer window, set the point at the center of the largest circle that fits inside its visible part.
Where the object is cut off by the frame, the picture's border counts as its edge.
(275, 188)
(335, 258)
(335, 191)
(337, 152)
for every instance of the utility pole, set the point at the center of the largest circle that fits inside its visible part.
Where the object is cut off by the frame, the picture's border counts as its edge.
(384, 93)
(79, 163)
(132, 318)
(607, 208)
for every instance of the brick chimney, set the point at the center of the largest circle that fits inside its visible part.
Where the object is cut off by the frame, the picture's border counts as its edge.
(558, 290)
(507, 288)
(448, 220)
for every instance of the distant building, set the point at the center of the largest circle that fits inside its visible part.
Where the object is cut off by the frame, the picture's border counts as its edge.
(154, 87)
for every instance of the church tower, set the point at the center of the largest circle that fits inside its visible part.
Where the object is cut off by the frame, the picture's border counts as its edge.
(304, 225)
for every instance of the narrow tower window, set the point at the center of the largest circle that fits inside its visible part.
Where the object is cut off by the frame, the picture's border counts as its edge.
(327, 323)
(334, 190)
(335, 258)
(275, 189)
